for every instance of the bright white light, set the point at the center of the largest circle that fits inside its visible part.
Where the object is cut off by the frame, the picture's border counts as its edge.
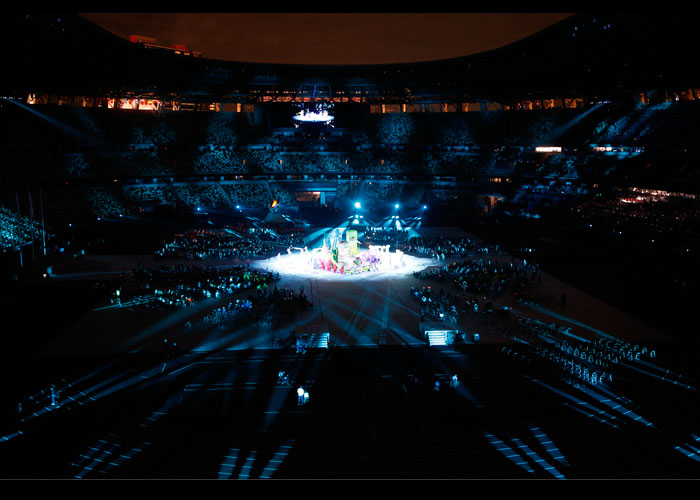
(298, 264)
(396, 206)
(313, 116)
(425, 206)
(357, 204)
(356, 221)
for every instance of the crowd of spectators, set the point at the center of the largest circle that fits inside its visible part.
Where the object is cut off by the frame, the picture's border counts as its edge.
(179, 286)
(333, 162)
(489, 277)
(456, 132)
(150, 193)
(219, 160)
(561, 166)
(631, 214)
(107, 203)
(235, 136)
(290, 162)
(262, 308)
(285, 195)
(152, 133)
(141, 145)
(439, 306)
(202, 195)
(248, 194)
(394, 129)
(221, 129)
(202, 244)
(282, 236)
(77, 165)
(442, 247)
(550, 350)
(545, 360)
(17, 230)
(199, 196)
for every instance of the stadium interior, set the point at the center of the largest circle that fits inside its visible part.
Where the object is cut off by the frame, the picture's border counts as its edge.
(483, 267)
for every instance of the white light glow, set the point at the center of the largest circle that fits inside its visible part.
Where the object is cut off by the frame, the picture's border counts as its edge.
(313, 116)
(301, 263)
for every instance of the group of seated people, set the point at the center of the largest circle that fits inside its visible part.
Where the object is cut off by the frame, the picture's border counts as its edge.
(626, 216)
(17, 230)
(178, 286)
(201, 195)
(263, 308)
(107, 204)
(546, 360)
(438, 306)
(488, 277)
(202, 244)
(442, 247)
(218, 161)
(544, 349)
(198, 196)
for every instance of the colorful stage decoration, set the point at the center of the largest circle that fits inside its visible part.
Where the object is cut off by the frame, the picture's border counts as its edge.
(344, 256)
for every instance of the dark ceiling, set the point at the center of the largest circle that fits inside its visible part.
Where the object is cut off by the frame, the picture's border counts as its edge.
(585, 55)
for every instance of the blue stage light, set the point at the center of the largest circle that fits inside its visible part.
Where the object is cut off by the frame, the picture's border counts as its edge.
(358, 204)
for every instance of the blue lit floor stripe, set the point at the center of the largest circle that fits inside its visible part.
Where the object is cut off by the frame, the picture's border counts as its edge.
(228, 464)
(617, 407)
(10, 436)
(508, 452)
(247, 466)
(660, 377)
(689, 454)
(576, 400)
(123, 458)
(548, 445)
(603, 389)
(92, 450)
(567, 319)
(591, 415)
(96, 462)
(276, 460)
(696, 450)
(537, 459)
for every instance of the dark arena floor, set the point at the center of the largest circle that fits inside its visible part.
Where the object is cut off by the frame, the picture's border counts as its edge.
(129, 407)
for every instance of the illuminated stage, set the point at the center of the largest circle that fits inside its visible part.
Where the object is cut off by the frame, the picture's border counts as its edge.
(344, 260)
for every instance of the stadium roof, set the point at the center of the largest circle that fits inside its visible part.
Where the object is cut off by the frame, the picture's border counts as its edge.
(586, 55)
